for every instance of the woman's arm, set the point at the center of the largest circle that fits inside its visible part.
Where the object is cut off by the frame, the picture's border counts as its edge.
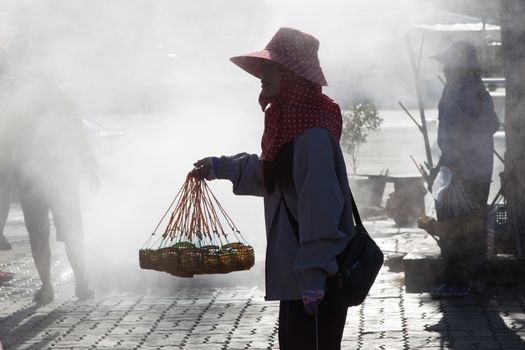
(319, 208)
(243, 170)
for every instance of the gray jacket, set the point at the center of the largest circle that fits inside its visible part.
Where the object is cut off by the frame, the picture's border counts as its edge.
(321, 203)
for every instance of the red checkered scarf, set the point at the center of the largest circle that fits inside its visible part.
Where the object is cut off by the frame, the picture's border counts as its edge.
(300, 105)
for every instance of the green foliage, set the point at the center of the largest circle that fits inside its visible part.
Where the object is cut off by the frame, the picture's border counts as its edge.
(358, 122)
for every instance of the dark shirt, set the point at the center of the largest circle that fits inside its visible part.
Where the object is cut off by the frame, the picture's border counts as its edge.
(467, 123)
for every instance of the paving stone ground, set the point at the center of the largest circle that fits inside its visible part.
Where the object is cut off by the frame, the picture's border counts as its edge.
(229, 317)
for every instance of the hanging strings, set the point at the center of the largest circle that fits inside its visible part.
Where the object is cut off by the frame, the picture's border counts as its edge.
(197, 217)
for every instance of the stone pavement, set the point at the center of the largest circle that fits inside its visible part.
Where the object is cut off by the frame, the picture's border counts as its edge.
(228, 317)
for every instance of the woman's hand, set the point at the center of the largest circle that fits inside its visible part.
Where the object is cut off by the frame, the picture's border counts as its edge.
(312, 299)
(204, 169)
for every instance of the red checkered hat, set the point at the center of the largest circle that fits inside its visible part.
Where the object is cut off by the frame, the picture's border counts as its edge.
(291, 48)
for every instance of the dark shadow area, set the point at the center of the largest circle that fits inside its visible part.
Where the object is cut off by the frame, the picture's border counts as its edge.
(21, 327)
(425, 271)
(476, 322)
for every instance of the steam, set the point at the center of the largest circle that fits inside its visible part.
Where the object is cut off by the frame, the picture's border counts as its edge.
(158, 72)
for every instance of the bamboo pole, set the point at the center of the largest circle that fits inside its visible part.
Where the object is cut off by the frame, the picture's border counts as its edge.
(415, 71)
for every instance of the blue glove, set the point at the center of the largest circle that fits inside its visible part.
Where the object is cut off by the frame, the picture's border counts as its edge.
(205, 169)
(312, 299)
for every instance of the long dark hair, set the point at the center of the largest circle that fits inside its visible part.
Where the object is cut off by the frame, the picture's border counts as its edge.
(279, 171)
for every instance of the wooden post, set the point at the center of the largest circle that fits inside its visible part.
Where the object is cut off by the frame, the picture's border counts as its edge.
(512, 13)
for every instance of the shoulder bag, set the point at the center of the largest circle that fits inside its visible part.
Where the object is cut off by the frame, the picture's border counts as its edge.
(359, 264)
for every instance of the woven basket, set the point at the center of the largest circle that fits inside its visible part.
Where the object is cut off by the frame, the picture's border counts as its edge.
(168, 259)
(227, 260)
(190, 260)
(148, 259)
(210, 260)
(245, 257)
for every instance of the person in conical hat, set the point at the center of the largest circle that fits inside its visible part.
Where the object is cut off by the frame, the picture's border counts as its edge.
(460, 55)
(301, 176)
(467, 123)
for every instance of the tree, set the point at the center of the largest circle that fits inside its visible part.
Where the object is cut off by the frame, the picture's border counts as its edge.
(358, 122)
(512, 20)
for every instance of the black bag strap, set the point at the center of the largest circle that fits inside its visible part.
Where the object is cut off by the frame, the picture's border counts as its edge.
(295, 224)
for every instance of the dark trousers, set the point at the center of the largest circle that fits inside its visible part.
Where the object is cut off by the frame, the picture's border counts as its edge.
(297, 329)
(465, 255)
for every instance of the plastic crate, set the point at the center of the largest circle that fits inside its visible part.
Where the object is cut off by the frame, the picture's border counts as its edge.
(501, 219)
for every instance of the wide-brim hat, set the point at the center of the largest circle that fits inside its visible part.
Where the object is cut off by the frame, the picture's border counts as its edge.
(461, 54)
(291, 48)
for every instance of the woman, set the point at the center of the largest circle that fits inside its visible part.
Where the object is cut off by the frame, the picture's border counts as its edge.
(467, 123)
(302, 177)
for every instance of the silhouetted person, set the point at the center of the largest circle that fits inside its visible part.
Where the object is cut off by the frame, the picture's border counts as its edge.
(48, 150)
(467, 123)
